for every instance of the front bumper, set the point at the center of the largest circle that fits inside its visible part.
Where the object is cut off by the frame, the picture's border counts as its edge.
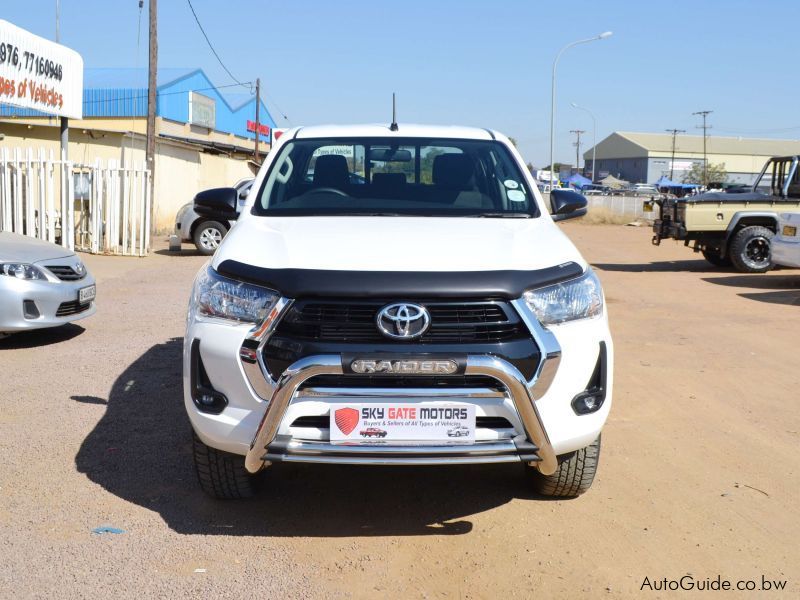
(260, 419)
(51, 299)
(535, 448)
(784, 252)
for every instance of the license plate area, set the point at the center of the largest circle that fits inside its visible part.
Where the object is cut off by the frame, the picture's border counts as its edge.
(789, 230)
(414, 424)
(87, 294)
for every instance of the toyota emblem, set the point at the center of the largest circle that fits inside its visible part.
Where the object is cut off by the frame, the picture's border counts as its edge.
(403, 321)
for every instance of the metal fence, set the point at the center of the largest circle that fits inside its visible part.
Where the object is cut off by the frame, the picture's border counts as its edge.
(623, 206)
(102, 208)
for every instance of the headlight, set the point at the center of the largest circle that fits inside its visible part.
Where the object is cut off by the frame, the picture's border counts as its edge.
(218, 296)
(22, 271)
(576, 299)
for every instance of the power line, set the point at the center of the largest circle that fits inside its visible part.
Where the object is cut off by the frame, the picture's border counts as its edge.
(210, 45)
(160, 94)
(249, 84)
(275, 104)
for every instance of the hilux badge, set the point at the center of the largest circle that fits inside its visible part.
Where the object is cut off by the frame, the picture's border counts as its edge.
(403, 321)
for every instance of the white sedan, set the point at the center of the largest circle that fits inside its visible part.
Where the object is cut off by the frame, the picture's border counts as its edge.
(785, 246)
(41, 285)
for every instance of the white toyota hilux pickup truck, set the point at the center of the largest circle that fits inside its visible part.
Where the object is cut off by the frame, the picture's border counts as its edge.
(396, 295)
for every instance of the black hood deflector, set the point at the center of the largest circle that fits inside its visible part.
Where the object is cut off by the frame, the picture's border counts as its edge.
(309, 283)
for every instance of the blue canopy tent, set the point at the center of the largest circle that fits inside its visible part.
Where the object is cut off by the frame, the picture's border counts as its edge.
(667, 183)
(578, 181)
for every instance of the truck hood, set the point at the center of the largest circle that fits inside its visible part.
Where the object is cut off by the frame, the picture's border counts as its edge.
(728, 197)
(397, 244)
(21, 248)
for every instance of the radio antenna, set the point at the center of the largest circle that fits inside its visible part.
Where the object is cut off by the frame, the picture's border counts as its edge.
(393, 126)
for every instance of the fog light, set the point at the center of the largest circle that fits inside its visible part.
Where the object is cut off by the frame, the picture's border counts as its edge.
(591, 399)
(30, 310)
(210, 401)
(588, 402)
(204, 396)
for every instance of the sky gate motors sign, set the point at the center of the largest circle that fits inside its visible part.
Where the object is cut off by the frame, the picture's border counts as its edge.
(412, 423)
(39, 74)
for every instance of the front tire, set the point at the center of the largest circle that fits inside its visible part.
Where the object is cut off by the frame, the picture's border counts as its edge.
(574, 475)
(750, 249)
(222, 475)
(208, 236)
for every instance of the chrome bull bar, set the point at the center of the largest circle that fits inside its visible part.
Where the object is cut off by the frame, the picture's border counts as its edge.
(538, 452)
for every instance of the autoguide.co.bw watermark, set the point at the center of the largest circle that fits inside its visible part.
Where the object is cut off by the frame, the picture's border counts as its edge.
(690, 583)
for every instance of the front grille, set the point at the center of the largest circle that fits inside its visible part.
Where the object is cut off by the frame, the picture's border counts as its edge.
(71, 308)
(323, 421)
(65, 273)
(400, 381)
(354, 321)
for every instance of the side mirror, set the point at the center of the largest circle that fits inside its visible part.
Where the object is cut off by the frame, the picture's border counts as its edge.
(218, 203)
(566, 204)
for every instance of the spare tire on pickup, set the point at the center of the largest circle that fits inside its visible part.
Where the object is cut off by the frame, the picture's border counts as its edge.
(750, 249)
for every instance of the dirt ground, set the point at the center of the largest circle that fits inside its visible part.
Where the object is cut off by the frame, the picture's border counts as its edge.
(700, 470)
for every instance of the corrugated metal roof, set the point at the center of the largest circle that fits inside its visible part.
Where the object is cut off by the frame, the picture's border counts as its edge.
(123, 93)
(662, 142)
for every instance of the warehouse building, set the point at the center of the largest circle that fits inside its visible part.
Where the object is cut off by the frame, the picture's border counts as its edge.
(645, 157)
(204, 137)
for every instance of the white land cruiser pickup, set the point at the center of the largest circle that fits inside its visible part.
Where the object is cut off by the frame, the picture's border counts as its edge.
(385, 286)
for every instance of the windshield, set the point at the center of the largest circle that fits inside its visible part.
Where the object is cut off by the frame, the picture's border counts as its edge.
(393, 176)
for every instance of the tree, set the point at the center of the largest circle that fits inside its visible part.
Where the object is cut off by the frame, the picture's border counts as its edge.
(716, 174)
(513, 141)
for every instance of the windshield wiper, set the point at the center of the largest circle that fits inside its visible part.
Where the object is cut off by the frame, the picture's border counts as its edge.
(501, 215)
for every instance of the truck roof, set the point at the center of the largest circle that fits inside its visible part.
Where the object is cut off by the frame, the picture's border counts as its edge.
(404, 130)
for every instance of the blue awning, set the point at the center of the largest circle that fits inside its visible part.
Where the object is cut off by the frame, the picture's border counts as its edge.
(666, 182)
(578, 181)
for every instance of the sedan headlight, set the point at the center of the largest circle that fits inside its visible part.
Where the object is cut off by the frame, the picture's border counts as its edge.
(218, 296)
(579, 298)
(22, 271)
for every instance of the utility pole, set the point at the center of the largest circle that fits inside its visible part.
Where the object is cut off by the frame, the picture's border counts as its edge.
(674, 133)
(64, 121)
(258, 106)
(577, 145)
(152, 83)
(704, 114)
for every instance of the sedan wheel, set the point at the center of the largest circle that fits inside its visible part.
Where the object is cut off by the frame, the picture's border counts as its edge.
(208, 236)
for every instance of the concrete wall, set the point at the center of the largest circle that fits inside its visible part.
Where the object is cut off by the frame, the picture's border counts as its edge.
(181, 170)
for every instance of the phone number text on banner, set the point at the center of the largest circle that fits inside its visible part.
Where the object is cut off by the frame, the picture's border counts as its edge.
(38, 74)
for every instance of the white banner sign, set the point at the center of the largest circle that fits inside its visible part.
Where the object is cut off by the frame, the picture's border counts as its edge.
(379, 424)
(40, 74)
(681, 165)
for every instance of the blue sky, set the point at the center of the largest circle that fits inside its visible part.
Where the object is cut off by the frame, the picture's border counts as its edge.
(469, 62)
